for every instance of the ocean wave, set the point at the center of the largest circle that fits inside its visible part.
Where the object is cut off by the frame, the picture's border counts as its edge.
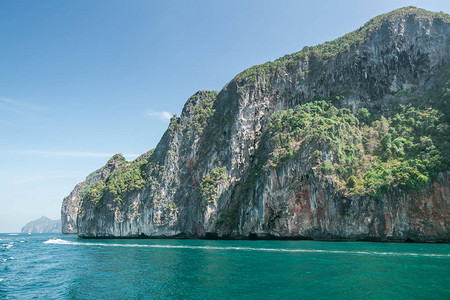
(356, 252)
(7, 246)
(6, 259)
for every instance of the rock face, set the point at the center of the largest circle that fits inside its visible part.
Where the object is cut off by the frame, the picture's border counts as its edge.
(42, 225)
(71, 203)
(222, 170)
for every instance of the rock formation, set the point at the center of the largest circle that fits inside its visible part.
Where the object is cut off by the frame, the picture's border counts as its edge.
(344, 140)
(71, 203)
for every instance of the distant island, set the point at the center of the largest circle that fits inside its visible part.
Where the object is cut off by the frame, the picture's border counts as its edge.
(42, 225)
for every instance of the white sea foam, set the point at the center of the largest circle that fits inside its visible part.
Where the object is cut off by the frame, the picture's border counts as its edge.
(7, 246)
(12, 234)
(1, 279)
(64, 242)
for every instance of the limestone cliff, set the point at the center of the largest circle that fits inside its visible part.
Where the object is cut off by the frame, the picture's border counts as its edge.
(71, 203)
(344, 140)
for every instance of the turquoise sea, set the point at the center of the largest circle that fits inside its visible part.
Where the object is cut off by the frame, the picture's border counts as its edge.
(40, 266)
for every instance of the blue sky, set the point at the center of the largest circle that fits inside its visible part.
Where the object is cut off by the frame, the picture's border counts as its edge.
(83, 80)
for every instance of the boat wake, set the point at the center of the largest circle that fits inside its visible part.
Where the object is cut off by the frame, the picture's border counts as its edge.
(60, 241)
(158, 246)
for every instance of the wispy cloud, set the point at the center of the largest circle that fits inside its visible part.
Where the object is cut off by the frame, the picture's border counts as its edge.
(163, 115)
(20, 105)
(66, 153)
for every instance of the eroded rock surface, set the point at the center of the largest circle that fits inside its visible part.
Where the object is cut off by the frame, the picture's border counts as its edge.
(71, 203)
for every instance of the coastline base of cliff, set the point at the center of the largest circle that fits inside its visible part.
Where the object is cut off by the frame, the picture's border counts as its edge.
(254, 237)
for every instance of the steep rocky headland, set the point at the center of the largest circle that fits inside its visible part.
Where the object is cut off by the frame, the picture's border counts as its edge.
(42, 225)
(71, 203)
(347, 140)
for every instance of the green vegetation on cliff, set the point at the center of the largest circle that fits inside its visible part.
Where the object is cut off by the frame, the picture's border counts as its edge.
(210, 184)
(202, 110)
(87, 183)
(406, 150)
(128, 177)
